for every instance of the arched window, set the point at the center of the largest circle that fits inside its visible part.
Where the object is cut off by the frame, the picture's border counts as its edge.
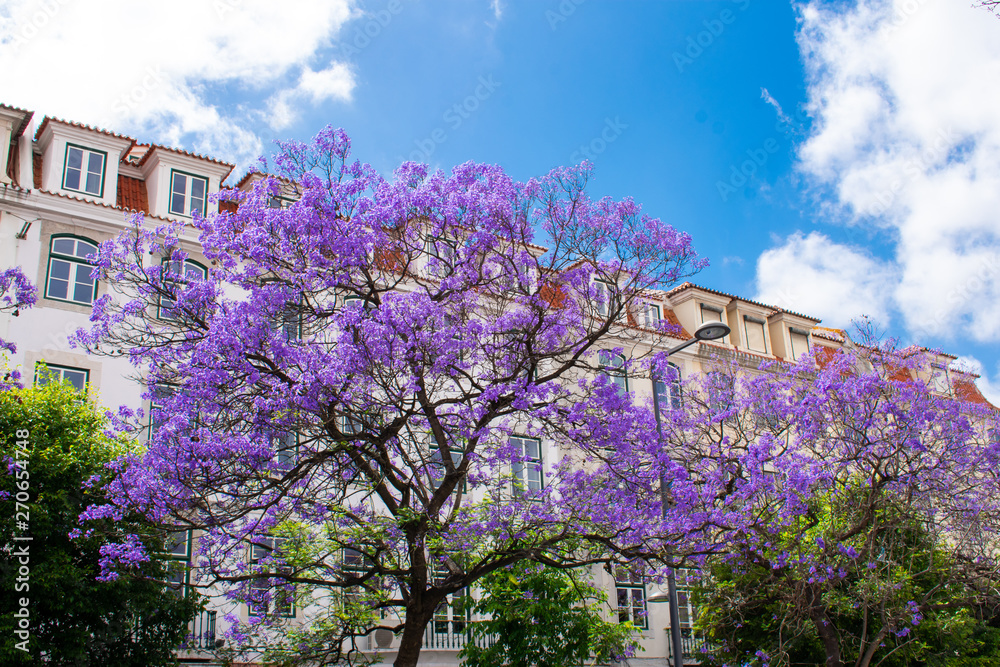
(180, 274)
(668, 390)
(613, 365)
(69, 270)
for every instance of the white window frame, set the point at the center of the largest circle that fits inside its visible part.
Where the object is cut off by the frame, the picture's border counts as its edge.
(58, 373)
(630, 588)
(444, 251)
(650, 315)
(261, 548)
(187, 196)
(529, 473)
(85, 171)
(189, 266)
(79, 270)
(616, 372)
(668, 392)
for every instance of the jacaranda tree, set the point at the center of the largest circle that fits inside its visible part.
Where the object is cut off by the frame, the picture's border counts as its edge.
(16, 293)
(345, 405)
(870, 503)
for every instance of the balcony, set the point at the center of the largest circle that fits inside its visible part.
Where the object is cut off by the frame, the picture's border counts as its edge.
(453, 635)
(202, 635)
(694, 647)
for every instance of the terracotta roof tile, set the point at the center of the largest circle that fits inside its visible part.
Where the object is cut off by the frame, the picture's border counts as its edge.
(774, 309)
(968, 391)
(91, 128)
(132, 194)
(19, 130)
(180, 151)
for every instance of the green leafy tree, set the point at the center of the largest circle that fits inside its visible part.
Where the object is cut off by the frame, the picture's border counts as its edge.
(541, 616)
(889, 594)
(55, 447)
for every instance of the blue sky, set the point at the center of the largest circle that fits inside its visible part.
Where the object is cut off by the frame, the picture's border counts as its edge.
(836, 158)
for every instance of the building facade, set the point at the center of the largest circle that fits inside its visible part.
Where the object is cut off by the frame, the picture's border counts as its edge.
(66, 187)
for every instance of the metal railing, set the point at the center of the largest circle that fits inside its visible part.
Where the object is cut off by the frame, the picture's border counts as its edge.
(202, 636)
(693, 647)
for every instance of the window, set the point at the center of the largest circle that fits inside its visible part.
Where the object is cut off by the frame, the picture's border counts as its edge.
(84, 170)
(351, 425)
(800, 342)
(720, 387)
(613, 366)
(527, 472)
(353, 564)
(755, 333)
(277, 599)
(437, 467)
(286, 447)
(443, 253)
(46, 373)
(687, 612)
(69, 276)
(649, 315)
(187, 194)
(668, 393)
(602, 296)
(176, 274)
(452, 616)
(939, 379)
(161, 393)
(177, 554)
(631, 593)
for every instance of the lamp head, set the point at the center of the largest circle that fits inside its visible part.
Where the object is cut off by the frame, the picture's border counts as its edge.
(711, 331)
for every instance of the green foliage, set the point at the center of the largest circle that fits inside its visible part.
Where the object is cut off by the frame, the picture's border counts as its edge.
(544, 617)
(889, 589)
(74, 619)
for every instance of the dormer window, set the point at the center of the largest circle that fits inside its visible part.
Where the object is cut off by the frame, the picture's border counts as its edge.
(84, 170)
(755, 334)
(649, 315)
(187, 194)
(800, 342)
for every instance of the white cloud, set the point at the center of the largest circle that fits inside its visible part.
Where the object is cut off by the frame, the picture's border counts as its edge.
(813, 275)
(151, 68)
(907, 137)
(332, 83)
(497, 7)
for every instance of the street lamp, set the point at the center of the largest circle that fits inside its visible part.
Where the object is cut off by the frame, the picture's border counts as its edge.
(707, 331)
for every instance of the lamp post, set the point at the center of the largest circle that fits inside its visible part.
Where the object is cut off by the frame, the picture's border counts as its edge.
(707, 331)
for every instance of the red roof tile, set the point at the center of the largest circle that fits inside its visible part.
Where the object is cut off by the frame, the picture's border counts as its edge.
(180, 151)
(50, 119)
(36, 166)
(774, 309)
(968, 391)
(132, 194)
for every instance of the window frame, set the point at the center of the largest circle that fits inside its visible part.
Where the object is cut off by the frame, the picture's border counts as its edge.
(264, 583)
(626, 588)
(183, 280)
(520, 470)
(614, 371)
(84, 172)
(446, 264)
(647, 322)
(62, 374)
(75, 262)
(792, 333)
(747, 321)
(671, 396)
(173, 558)
(187, 194)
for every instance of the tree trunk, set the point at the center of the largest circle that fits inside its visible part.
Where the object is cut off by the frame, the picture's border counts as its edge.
(412, 639)
(828, 635)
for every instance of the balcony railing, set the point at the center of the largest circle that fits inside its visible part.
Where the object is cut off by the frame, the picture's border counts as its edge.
(693, 647)
(202, 635)
(452, 635)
